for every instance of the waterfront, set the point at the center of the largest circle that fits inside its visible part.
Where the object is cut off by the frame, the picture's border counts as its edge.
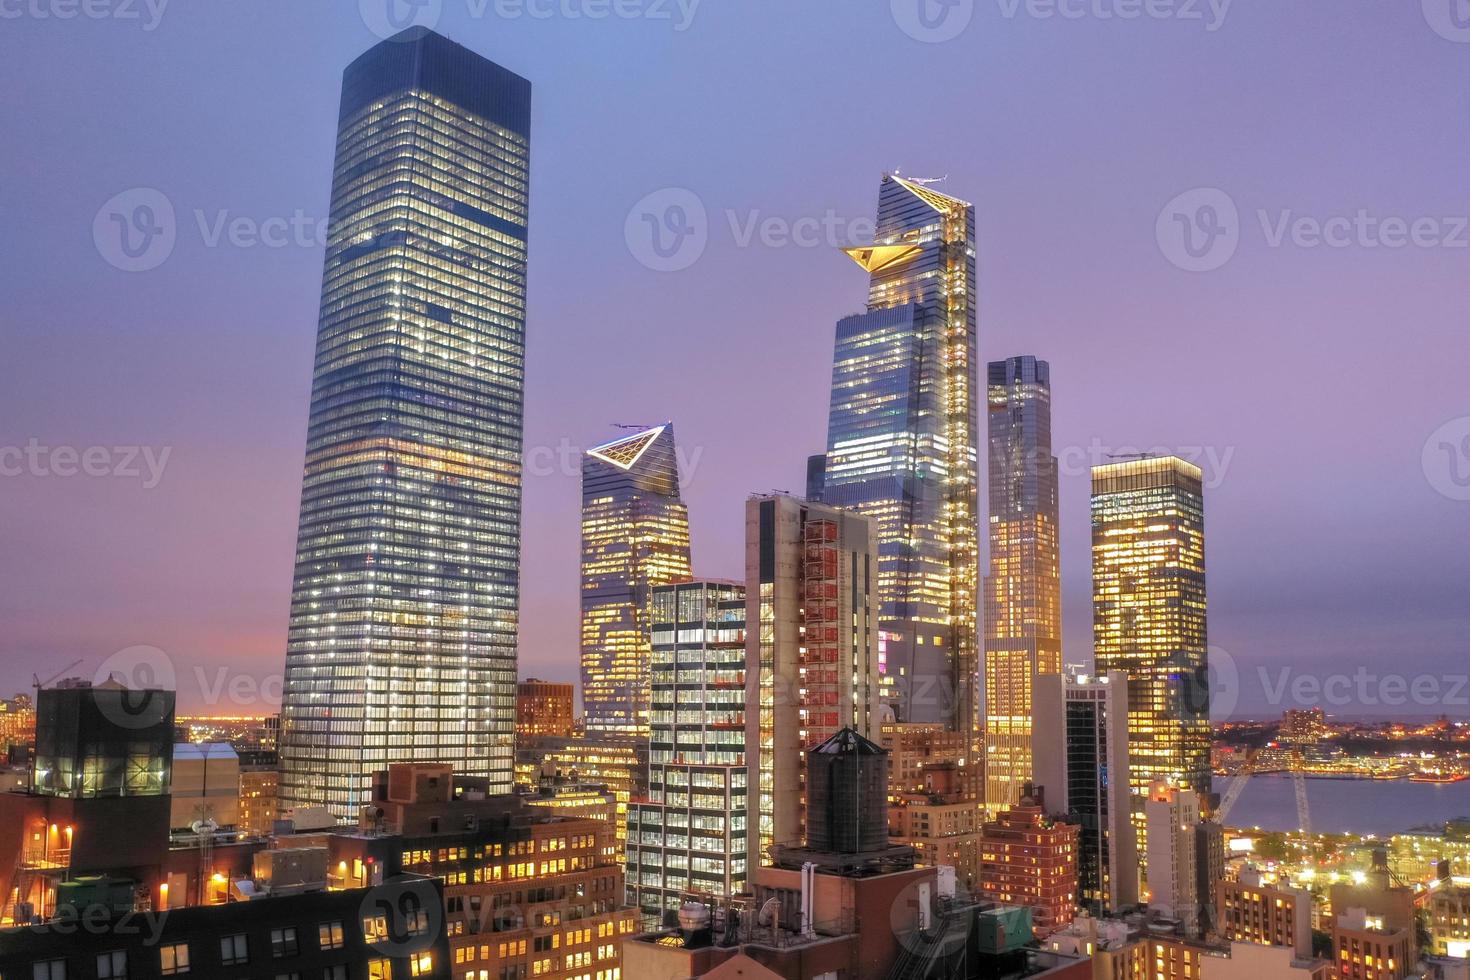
(1348, 806)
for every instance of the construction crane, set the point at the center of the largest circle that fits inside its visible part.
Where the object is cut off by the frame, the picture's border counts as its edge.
(38, 684)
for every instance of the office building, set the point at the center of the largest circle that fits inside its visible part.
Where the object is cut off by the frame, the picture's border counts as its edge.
(811, 649)
(1172, 816)
(548, 766)
(1366, 947)
(390, 931)
(1449, 914)
(1028, 858)
(528, 893)
(1081, 753)
(933, 800)
(544, 708)
(689, 836)
(635, 535)
(1148, 588)
(402, 637)
(901, 445)
(260, 792)
(1257, 909)
(1023, 590)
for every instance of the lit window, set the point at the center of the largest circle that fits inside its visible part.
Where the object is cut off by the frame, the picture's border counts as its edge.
(174, 959)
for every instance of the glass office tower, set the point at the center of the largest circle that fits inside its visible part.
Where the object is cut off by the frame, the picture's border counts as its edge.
(1023, 592)
(402, 639)
(901, 445)
(635, 535)
(1148, 593)
(689, 835)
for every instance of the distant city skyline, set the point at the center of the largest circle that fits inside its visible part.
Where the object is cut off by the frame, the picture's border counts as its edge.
(1263, 365)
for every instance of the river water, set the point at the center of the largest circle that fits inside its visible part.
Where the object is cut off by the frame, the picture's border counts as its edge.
(1348, 806)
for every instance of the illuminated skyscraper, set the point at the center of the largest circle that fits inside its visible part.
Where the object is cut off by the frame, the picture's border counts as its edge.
(635, 535)
(402, 638)
(689, 836)
(811, 649)
(1148, 593)
(901, 445)
(1023, 592)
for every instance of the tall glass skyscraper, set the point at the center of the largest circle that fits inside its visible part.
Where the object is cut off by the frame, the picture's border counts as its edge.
(1148, 595)
(901, 445)
(1023, 592)
(635, 535)
(402, 640)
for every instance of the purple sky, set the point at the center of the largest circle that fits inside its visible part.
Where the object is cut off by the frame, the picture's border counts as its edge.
(1318, 372)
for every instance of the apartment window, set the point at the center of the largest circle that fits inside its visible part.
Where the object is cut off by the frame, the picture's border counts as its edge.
(338, 972)
(173, 959)
(329, 935)
(234, 950)
(49, 970)
(283, 942)
(113, 965)
(421, 965)
(288, 976)
(380, 970)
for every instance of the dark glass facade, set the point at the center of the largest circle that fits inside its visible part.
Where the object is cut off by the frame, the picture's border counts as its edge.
(901, 445)
(402, 639)
(103, 742)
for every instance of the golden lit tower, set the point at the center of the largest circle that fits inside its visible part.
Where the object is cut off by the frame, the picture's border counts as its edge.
(1148, 594)
(901, 444)
(635, 535)
(1023, 592)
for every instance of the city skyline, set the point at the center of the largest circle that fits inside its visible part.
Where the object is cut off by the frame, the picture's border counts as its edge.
(1315, 604)
(878, 744)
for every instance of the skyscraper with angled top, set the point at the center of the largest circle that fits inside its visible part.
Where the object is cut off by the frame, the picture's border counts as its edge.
(901, 445)
(402, 637)
(635, 535)
(1023, 592)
